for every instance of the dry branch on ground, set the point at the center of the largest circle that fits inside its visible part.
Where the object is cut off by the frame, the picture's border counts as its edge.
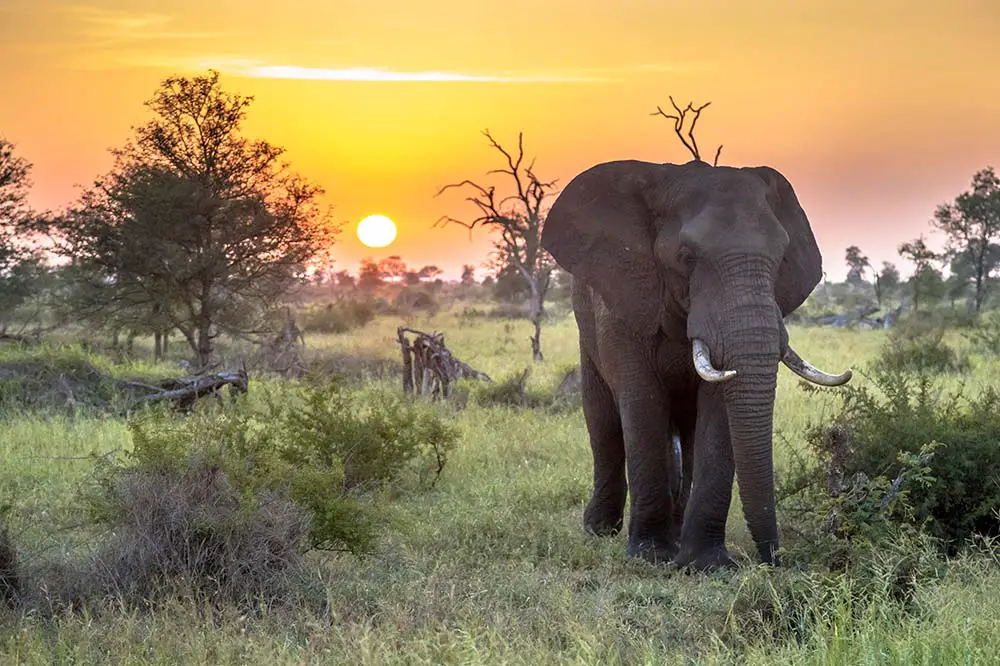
(184, 392)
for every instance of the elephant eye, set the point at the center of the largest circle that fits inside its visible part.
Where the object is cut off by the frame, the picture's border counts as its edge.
(685, 258)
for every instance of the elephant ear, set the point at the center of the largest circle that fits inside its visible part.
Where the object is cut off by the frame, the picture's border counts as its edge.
(802, 266)
(601, 230)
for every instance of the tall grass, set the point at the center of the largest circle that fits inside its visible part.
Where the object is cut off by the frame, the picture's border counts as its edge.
(492, 565)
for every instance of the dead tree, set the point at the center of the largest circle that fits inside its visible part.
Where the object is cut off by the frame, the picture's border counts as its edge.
(519, 218)
(283, 351)
(429, 367)
(678, 117)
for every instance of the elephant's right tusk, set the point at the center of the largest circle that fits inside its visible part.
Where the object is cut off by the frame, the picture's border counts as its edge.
(703, 364)
(804, 369)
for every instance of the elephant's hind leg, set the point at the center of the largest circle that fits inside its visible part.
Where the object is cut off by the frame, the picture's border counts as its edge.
(604, 513)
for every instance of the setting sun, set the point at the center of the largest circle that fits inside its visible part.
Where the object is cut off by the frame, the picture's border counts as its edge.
(376, 231)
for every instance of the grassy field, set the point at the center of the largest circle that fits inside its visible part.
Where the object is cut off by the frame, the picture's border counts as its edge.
(492, 566)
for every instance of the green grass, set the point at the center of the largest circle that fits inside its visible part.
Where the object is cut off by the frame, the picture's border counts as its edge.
(492, 566)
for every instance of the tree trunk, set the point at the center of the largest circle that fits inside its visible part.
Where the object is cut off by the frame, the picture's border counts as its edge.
(536, 340)
(157, 346)
(535, 314)
(204, 344)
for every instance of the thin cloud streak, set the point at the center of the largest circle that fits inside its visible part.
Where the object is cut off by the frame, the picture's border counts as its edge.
(382, 74)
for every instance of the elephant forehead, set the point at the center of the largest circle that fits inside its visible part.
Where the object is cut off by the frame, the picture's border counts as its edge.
(724, 184)
(747, 224)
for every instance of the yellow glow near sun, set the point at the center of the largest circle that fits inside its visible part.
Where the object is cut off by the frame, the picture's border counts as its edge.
(376, 231)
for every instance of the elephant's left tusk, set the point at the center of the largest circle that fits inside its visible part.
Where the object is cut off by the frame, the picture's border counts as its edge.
(703, 364)
(803, 369)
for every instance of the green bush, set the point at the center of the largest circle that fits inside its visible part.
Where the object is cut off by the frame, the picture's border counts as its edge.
(917, 345)
(904, 460)
(46, 378)
(985, 336)
(321, 447)
(411, 299)
(339, 317)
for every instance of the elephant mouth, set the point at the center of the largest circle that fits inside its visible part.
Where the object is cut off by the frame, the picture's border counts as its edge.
(703, 366)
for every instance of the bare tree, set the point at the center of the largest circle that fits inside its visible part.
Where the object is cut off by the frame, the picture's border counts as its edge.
(520, 218)
(679, 117)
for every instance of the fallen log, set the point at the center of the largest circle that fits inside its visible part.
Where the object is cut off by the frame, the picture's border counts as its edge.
(184, 392)
(429, 366)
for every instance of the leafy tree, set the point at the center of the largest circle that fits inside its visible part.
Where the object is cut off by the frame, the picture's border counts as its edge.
(429, 272)
(393, 268)
(200, 228)
(926, 283)
(344, 280)
(468, 274)
(425, 274)
(857, 264)
(972, 224)
(519, 218)
(20, 265)
(369, 276)
(887, 282)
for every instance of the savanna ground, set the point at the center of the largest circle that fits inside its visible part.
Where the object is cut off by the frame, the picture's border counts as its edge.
(491, 565)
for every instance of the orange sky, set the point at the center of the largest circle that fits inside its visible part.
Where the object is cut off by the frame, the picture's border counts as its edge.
(875, 110)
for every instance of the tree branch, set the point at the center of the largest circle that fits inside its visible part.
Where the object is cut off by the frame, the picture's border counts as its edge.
(678, 117)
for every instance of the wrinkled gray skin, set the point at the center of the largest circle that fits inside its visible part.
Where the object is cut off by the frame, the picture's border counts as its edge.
(661, 255)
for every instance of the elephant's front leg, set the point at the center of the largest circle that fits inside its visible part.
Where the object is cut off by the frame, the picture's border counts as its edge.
(653, 530)
(703, 536)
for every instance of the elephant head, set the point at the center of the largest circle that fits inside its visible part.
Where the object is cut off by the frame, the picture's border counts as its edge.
(725, 252)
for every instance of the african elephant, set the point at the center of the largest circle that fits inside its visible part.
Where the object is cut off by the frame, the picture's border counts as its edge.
(680, 270)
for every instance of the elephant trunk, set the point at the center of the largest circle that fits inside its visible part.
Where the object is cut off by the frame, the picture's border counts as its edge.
(751, 334)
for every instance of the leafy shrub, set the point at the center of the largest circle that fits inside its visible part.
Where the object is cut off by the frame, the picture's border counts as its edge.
(373, 436)
(224, 503)
(911, 462)
(514, 391)
(320, 448)
(410, 299)
(337, 317)
(985, 336)
(47, 377)
(918, 346)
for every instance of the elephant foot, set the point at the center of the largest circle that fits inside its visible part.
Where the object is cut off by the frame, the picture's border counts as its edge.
(705, 560)
(601, 521)
(651, 551)
(768, 552)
